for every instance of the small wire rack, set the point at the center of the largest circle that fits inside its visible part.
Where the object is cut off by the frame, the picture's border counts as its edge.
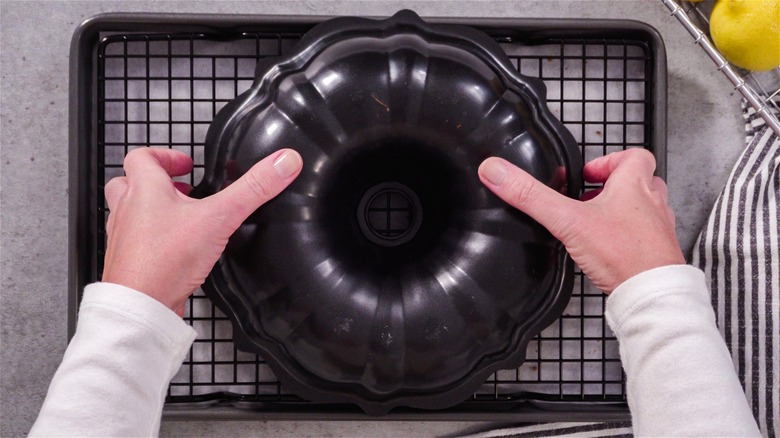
(760, 89)
(163, 89)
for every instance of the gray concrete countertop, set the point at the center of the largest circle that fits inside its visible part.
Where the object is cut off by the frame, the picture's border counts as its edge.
(705, 136)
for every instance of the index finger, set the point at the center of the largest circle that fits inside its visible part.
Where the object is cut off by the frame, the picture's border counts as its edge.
(157, 162)
(635, 161)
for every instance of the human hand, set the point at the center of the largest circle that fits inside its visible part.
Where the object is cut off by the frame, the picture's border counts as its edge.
(162, 242)
(613, 233)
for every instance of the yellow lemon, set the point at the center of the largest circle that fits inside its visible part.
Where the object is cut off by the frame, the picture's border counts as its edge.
(747, 32)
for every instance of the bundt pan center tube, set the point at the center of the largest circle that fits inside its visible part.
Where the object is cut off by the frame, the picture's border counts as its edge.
(387, 275)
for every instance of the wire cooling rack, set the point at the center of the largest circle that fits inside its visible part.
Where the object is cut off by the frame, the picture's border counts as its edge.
(760, 89)
(163, 89)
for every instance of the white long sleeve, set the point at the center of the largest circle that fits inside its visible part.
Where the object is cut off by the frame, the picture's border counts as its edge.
(679, 375)
(116, 370)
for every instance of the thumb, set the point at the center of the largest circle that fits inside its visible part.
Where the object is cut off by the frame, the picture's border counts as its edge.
(258, 185)
(524, 192)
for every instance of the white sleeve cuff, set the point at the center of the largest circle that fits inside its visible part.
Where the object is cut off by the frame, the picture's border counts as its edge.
(115, 373)
(143, 309)
(650, 285)
(680, 379)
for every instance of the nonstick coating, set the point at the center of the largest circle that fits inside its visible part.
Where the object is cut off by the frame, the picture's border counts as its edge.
(386, 274)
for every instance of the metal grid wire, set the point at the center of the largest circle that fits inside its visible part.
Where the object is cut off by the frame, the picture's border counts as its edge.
(163, 91)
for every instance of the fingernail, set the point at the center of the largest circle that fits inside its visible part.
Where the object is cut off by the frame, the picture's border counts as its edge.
(493, 171)
(288, 164)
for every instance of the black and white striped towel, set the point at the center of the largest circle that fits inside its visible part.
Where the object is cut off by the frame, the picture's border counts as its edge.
(579, 430)
(739, 251)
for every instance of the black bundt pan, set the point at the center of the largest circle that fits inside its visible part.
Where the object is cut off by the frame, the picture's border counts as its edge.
(387, 275)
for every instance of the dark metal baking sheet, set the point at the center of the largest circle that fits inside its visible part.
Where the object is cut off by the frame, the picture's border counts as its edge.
(574, 57)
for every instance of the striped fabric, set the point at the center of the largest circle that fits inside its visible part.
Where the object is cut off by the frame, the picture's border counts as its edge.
(739, 251)
(581, 430)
